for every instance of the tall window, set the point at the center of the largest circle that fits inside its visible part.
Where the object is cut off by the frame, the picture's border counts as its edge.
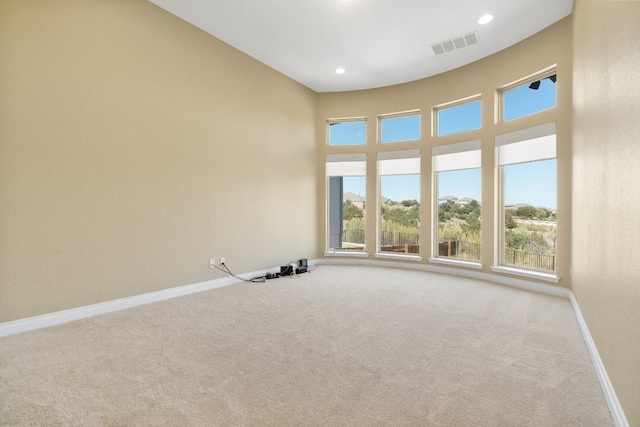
(399, 173)
(529, 98)
(346, 201)
(400, 127)
(457, 178)
(352, 132)
(527, 161)
(458, 117)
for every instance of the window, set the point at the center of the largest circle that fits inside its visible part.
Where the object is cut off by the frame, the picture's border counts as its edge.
(529, 98)
(458, 117)
(457, 180)
(347, 132)
(399, 173)
(400, 127)
(346, 201)
(527, 161)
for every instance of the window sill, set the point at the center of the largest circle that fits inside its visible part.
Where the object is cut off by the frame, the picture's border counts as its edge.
(456, 263)
(526, 273)
(404, 257)
(356, 254)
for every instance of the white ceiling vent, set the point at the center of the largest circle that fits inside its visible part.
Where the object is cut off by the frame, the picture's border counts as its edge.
(455, 43)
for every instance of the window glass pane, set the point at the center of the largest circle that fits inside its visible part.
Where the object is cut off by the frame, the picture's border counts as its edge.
(401, 128)
(346, 213)
(400, 214)
(530, 215)
(459, 213)
(347, 133)
(529, 98)
(460, 118)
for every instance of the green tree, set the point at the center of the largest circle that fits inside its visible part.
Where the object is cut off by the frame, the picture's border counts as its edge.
(526, 212)
(472, 226)
(509, 222)
(542, 214)
(410, 203)
(444, 211)
(399, 214)
(355, 223)
(349, 211)
(516, 239)
(537, 244)
(355, 230)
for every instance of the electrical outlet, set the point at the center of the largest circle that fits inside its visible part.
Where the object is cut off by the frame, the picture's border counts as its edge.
(221, 260)
(212, 263)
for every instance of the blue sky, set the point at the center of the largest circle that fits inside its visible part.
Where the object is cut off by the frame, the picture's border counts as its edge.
(533, 183)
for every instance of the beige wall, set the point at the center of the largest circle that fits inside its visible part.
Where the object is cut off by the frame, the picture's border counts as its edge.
(133, 148)
(549, 47)
(606, 187)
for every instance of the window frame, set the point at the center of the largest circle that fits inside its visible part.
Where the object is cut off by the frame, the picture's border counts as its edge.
(435, 121)
(383, 156)
(355, 161)
(519, 136)
(330, 122)
(390, 116)
(501, 91)
(474, 148)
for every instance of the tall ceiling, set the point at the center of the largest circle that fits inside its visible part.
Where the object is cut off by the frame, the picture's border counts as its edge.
(377, 42)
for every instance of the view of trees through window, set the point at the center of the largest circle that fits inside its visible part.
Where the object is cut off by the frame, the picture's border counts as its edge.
(530, 227)
(458, 177)
(459, 214)
(346, 181)
(400, 219)
(354, 215)
(527, 185)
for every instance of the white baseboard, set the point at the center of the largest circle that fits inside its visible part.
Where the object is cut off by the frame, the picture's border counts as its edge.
(469, 272)
(64, 316)
(607, 388)
(51, 319)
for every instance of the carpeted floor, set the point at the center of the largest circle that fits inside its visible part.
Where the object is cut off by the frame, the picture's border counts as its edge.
(341, 346)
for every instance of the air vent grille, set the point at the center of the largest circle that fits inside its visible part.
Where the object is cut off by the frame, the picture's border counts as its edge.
(455, 43)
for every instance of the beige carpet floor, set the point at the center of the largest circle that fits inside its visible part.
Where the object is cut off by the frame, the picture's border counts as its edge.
(341, 346)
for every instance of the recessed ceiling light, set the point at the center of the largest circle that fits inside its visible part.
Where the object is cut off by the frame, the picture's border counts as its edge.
(340, 70)
(485, 19)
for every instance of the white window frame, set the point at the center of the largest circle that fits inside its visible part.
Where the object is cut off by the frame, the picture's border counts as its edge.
(436, 124)
(445, 158)
(522, 146)
(384, 117)
(500, 104)
(345, 120)
(390, 163)
(341, 165)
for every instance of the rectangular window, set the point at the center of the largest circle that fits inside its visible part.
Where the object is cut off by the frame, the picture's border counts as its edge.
(351, 132)
(527, 161)
(403, 127)
(346, 178)
(459, 117)
(529, 98)
(457, 178)
(399, 173)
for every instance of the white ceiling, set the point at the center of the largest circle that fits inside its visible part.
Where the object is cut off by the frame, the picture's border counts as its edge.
(378, 42)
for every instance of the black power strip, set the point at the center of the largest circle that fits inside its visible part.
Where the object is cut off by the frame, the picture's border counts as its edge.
(303, 265)
(288, 270)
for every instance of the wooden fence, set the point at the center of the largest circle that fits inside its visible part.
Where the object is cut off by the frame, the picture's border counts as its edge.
(529, 260)
(409, 243)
